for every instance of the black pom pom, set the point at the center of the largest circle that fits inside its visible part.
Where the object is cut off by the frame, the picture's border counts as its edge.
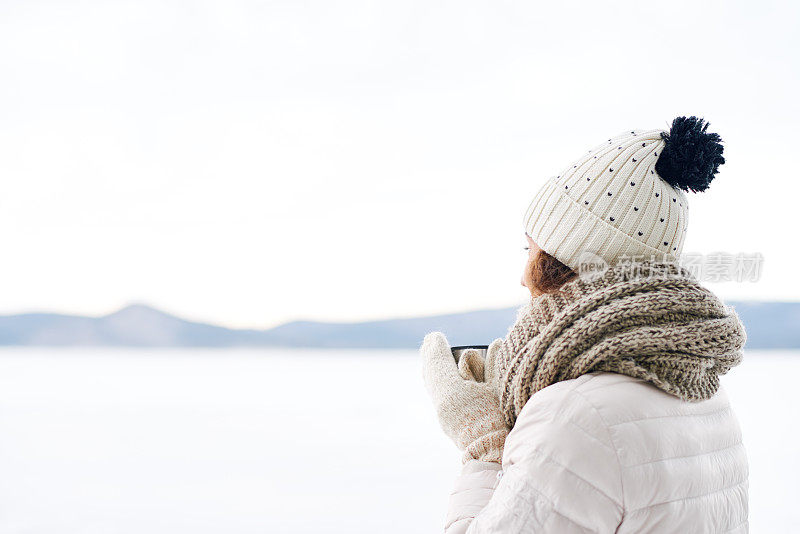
(691, 156)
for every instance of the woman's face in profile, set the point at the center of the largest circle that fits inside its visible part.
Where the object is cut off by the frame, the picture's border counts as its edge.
(533, 250)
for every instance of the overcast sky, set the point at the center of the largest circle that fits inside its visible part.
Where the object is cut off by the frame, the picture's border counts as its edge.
(250, 163)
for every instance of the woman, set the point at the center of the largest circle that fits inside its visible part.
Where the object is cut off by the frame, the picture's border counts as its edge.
(601, 409)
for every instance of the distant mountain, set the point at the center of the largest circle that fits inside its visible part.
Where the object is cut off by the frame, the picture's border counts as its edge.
(135, 325)
(770, 325)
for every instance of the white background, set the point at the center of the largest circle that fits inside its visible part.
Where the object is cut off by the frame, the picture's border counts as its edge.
(251, 162)
(171, 442)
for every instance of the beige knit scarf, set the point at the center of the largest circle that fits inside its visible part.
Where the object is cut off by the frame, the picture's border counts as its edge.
(652, 321)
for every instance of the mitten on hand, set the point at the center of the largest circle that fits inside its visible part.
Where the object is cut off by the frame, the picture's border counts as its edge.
(465, 398)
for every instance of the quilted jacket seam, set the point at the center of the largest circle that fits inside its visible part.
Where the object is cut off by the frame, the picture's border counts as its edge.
(596, 374)
(555, 417)
(532, 492)
(613, 446)
(554, 510)
(715, 412)
(683, 456)
(546, 457)
(726, 488)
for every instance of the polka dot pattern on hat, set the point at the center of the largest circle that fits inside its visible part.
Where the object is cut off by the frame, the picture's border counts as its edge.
(611, 202)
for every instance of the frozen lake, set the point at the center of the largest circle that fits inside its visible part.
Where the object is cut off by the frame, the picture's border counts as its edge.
(107, 441)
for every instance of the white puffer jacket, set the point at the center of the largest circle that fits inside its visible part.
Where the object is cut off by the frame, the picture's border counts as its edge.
(610, 453)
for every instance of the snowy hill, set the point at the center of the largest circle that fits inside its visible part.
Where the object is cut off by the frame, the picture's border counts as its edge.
(770, 325)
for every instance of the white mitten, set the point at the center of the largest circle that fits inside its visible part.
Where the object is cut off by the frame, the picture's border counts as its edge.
(465, 398)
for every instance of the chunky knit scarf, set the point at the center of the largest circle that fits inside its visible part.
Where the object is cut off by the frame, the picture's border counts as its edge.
(652, 321)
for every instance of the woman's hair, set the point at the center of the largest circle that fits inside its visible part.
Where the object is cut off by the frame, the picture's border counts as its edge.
(547, 273)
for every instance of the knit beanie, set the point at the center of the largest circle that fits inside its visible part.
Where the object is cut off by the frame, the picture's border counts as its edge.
(625, 198)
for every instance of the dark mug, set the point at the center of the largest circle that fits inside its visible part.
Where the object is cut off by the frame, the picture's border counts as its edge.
(457, 351)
